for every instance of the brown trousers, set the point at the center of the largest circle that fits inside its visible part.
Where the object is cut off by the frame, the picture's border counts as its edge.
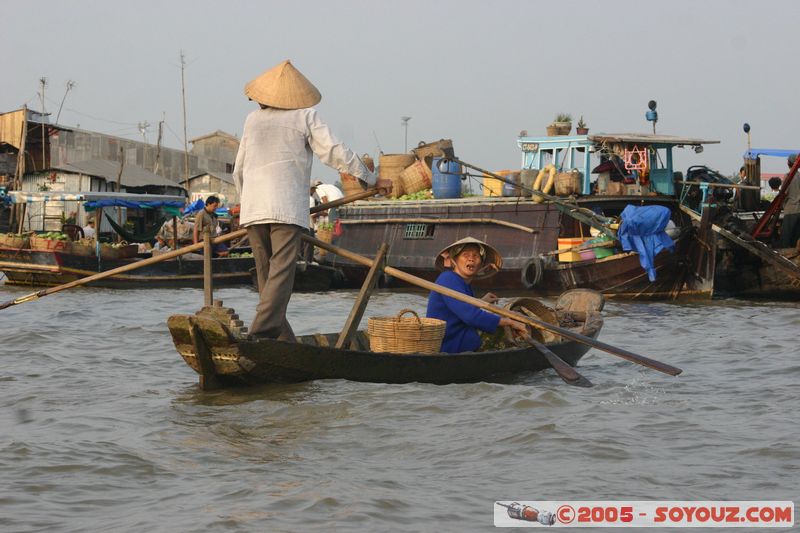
(275, 248)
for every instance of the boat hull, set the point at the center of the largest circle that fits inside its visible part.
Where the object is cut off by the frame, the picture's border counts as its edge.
(233, 360)
(521, 231)
(45, 268)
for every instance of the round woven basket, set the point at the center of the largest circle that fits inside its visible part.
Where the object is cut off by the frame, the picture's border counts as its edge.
(440, 148)
(15, 241)
(49, 245)
(350, 184)
(416, 177)
(568, 183)
(325, 235)
(391, 165)
(540, 311)
(399, 334)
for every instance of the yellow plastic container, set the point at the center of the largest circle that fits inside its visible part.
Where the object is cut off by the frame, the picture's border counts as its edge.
(570, 242)
(493, 186)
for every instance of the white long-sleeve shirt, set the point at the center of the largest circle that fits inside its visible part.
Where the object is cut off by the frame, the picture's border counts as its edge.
(273, 167)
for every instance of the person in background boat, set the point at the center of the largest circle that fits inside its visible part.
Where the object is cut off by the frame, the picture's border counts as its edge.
(272, 174)
(742, 176)
(325, 192)
(207, 217)
(775, 184)
(161, 245)
(461, 263)
(88, 230)
(790, 227)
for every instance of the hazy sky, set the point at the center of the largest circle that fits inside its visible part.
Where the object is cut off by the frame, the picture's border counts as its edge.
(474, 71)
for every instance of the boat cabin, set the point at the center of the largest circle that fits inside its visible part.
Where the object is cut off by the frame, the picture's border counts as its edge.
(646, 160)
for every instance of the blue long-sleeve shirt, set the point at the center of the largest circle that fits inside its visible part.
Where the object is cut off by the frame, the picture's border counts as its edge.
(463, 320)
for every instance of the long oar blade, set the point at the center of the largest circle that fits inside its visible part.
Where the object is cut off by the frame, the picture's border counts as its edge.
(569, 375)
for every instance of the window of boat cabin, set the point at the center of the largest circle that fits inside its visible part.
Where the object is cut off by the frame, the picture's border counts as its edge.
(419, 231)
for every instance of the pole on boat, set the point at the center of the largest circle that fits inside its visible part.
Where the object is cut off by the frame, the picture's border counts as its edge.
(351, 324)
(587, 216)
(208, 273)
(169, 255)
(486, 306)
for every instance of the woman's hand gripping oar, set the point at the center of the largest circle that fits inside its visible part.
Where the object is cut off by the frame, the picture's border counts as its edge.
(175, 253)
(566, 333)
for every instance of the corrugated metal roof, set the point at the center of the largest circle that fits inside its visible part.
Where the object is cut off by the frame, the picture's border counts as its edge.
(223, 176)
(132, 176)
(648, 138)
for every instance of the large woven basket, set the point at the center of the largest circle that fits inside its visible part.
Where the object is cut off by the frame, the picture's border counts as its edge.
(350, 184)
(391, 165)
(15, 241)
(325, 235)
(440, 148)
(416, 177)
(538, 310)
(399, 334)
(568, 183)
(49, 245)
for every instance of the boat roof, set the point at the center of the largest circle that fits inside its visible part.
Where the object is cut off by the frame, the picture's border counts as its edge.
(753, 153)
(648, 138)
(22, 197)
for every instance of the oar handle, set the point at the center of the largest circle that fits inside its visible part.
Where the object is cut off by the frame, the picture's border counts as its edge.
(566, 333)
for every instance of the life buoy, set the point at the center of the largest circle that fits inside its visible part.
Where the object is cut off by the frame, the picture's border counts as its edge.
(532, 272)
(548, 186)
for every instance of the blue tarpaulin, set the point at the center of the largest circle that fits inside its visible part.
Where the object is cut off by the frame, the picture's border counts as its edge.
(753, 153)
(642, 230)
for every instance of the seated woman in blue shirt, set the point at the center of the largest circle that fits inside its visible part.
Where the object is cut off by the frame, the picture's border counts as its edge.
(462, 262)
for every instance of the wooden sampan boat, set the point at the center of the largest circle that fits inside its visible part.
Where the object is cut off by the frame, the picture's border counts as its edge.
(213, 344)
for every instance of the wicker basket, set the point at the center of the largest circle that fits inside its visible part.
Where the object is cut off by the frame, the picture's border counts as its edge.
(85, 247)
(540, 311)
(416, 177)
(350, 184)
(440, 148)
(324, 235)
(399, 334)
(391, 165)
(568, 183)
(14, 241)
(49, 245)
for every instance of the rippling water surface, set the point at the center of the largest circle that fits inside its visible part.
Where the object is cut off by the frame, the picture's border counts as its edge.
(103, 428)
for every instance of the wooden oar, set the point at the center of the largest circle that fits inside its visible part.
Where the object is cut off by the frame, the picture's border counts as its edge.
(171, 255)
(568, 334)
(564, 371)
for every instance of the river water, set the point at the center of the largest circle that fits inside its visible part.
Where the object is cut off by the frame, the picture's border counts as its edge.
(103, 428)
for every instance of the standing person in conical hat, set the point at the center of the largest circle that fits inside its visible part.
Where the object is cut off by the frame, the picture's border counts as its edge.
(273, 174)
(462, 262)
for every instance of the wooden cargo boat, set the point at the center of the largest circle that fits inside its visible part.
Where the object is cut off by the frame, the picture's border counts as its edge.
(212, 343)
(742, 244)
(527, 233)
(50, 268)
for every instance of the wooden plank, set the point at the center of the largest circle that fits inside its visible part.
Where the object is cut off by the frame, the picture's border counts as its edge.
(418, 220)
(357, 312)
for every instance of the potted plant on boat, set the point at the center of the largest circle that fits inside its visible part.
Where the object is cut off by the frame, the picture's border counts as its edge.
(581, 128)
(563, 123)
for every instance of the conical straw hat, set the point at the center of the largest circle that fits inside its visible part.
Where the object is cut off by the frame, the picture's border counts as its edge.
(492, 261)
(283, 87)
